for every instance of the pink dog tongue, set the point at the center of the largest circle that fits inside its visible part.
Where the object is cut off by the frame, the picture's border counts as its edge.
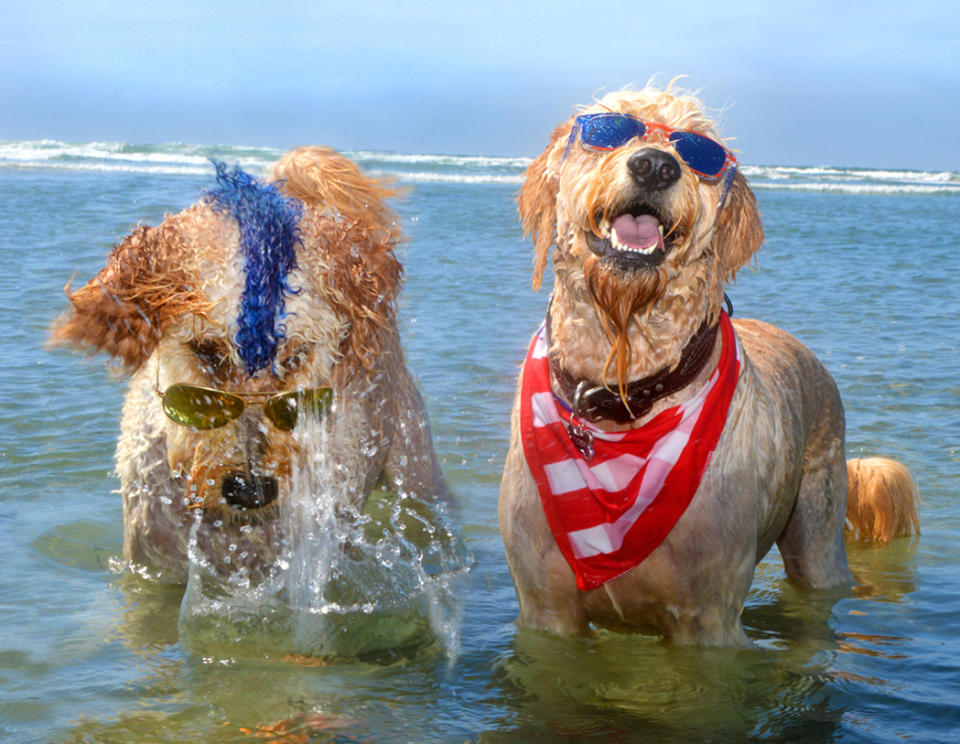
(638, 232)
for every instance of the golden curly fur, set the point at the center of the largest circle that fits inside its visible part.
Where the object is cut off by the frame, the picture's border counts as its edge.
(882, 500)
(778, 473)
(166, 306)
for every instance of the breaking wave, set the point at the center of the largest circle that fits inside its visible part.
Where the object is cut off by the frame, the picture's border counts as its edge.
(415, 168)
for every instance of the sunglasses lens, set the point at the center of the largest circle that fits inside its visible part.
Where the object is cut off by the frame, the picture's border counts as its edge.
(201, 408)
(609, 131)
(284, 410)
(701, 153)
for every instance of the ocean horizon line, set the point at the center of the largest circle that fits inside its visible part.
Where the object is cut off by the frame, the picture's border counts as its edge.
(184, 159)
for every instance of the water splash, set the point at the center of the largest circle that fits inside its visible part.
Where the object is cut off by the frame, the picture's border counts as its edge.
(327, 574)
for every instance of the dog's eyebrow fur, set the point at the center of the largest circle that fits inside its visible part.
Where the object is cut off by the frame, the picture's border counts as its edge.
(269, 236)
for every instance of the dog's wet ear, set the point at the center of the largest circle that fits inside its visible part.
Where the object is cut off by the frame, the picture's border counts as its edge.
(537, 201)
(739, 232)
(125, 309)
(356, 236)
(322, 178)
(362, 281)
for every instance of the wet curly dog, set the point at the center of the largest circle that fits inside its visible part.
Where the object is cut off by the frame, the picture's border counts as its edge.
(658, 448)
(244, 318)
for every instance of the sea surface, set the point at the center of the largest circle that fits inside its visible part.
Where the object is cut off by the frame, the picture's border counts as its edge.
(860, 264)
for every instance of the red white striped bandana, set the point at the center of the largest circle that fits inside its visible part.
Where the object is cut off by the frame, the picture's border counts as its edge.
(608, 514)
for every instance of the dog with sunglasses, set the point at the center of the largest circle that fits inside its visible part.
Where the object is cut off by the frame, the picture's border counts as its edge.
(659, 449)
(244, 319)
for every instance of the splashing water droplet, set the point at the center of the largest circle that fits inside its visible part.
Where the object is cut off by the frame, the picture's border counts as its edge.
(329, 570)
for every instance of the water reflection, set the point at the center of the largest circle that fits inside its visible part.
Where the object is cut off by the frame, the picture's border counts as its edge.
(886, 573)
(820, 662)
(232, 690)
(795, 685)
(622, 687)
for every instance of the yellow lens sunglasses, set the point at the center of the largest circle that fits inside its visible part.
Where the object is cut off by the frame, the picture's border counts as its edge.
(209, 408)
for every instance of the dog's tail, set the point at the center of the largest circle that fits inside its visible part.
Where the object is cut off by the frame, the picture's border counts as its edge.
(882, 500)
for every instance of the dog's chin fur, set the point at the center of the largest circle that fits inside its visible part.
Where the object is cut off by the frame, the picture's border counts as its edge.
(166, 306)
(620, 296)
(777, 474)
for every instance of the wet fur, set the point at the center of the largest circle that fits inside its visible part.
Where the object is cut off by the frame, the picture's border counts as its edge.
(166, 305)
(778, 474)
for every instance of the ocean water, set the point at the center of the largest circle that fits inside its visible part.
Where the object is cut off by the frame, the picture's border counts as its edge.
(859, 264)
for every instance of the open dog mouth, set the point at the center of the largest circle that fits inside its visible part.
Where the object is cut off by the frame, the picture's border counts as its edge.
(633, 240)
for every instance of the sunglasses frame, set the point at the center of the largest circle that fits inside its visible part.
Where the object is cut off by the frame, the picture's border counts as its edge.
(239, 401)
(729, 158)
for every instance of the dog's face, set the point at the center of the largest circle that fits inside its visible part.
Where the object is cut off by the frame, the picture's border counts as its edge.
(245, 462)
(273, 296)
(637, 220)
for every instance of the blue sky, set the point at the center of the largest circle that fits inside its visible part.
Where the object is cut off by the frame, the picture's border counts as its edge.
(794, 83)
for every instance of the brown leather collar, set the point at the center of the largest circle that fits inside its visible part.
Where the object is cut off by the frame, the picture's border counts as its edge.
(594, 402)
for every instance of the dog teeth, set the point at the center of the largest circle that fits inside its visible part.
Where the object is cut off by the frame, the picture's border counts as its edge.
(614, 239)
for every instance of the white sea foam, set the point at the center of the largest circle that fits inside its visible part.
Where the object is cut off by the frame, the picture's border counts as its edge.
(858, 188)
(177, 159)
(829, 175)
(469, 161)
(428, 177)
(109, 168)
(172, 159)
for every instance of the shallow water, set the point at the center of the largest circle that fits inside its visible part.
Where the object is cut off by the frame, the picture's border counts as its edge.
(859, 265)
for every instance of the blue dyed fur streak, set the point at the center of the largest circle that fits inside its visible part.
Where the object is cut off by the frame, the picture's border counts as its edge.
(269, 236)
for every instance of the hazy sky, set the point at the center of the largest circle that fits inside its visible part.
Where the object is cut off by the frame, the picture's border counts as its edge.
(808, 83)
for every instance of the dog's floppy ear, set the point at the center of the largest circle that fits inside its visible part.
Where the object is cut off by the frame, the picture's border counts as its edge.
(357, 234)
(363, 279)
(322, 178)
(739, 232)
(125, 309)
(537, 203)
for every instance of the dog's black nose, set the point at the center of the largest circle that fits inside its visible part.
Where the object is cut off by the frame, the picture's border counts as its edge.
(246, 491)
(654, 169)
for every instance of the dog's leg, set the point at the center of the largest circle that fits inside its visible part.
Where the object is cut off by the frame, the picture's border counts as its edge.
(546, 592)
(808, 467)
(546, 588)
(712, 626)
(812, 542)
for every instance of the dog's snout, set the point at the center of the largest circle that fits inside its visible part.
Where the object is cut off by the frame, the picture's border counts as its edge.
(654, 169)
(246, 491)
